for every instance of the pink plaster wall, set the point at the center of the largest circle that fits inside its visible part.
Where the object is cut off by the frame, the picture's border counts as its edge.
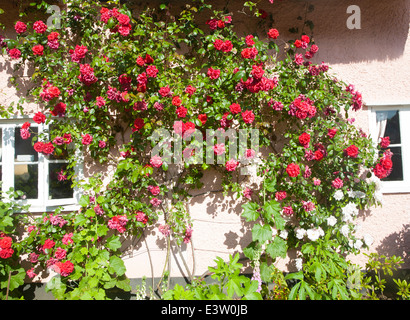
(376, 59)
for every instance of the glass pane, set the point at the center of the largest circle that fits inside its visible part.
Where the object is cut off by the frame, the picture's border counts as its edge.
(26, 180)
(59, 185)
(390, 121)
(397, 172)
(24, 151)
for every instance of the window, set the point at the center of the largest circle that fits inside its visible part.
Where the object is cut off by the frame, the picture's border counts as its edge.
(40, 177)
(392, 122)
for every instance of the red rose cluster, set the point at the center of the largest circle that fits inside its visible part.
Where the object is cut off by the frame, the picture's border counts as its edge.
(123, 26)
(385, 166)
(218, 23)
(302, 107)
(6, 250)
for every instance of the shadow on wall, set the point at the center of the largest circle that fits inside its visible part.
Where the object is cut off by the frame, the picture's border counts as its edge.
(397, 244)
(384, 28)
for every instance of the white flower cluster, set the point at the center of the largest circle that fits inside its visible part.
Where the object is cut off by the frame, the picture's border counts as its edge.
(349, 211)
(312, 234)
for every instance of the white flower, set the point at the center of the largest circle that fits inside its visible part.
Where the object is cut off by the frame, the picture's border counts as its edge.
(298, 263)
(313, 234)
(331, 221)
(345, 230)
(283, 234)
(379, 197)
(358, 244)
(274, 232)
(368, 240)
(338, 195)
(300, 233)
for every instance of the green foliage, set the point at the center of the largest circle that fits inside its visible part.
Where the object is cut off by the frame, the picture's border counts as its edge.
(230, 284)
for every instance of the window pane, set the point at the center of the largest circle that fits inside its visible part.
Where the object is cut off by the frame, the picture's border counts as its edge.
(397, 172)
(59, 186)
(26, 180)
(390, 122)
(24, 151)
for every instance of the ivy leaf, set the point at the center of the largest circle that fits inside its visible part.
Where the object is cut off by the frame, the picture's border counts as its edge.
(261, 233)
(250, 212)
(277, 248)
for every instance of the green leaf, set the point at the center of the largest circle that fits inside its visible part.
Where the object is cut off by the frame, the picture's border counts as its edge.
(261, 233)
(84, 201)
(113, 243)
(272, 209)
(277, 248)
(116, 266)
(250, 212)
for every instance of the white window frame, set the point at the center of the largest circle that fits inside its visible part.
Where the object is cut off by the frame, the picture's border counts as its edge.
(404, 111)
(42, 204)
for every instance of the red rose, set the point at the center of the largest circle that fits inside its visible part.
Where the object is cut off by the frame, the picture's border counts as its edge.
(6, 253)
(53, 91)
(181, 112)
(352, 151)
(337, 183)
(39, 117)
(293, 170)
(86, 139)
(235, 108)
(64, 268)
(20, 27)
(386, 163)
(331, 133)
(39, 27)
(304, 139)
(123, 19)
(385, 142)
(15, 53)
(231, 165)
(305, 38)
(190, 90)
(48, 244)
(48, 148)
(5, 242)
(59, 109)
(140, 61)
(202, 117)
(176, 101)
(379, 171)
(38, 146)
(318, 155)
(257, 72)
(152, 71)
(273, 33)
(53, 36)
(298, 44)
(280, 195)
(248, 116)
(164, 91)
(249, 53)
(138, 124)
(213, 73)
(38, 50)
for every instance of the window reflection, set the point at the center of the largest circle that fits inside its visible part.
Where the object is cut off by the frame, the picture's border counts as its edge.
(59, 184)
(26, 180)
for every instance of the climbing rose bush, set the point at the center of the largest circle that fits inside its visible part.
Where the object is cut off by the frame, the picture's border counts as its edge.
(109, 80)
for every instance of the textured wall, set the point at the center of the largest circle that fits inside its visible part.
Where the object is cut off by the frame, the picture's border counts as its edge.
(376, 59)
